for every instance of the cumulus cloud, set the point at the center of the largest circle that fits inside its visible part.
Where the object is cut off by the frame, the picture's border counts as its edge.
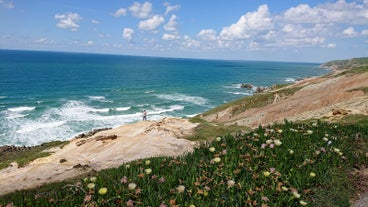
(171, 24)
(95, 21)
(189, 42)
(128, 34)
(349, 32)
(207, 35)
(43, 40)
(248, 24)
(141, 11)
(68, 21)
(170, 8)
(170, 37)
(337, 12)
(151, 24)
(120, 12)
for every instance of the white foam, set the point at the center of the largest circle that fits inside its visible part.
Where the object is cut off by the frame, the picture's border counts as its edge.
(99, 98)
(21, 109)
(191, 115)
(290, 79)
(241, 93)
(36, 126)
(2, 97)
(123, 108)
(15, 116)
(197, 100)
(170, 109)
(151, 91)
(105, 110)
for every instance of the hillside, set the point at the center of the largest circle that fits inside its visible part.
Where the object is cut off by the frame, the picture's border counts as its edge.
(341, 96)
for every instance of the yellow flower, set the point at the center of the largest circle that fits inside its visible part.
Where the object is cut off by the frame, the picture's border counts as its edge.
(102, 191)
(91, 185)
(277, 142)
(148, 171)
(205, 193)
(212, 149)
(312, 174)
(303, 203)
(279, 131)
(132, 186)
(147, 162)
(192, 205)
(266, 173)
(217, 159)
(180, 188)
(218, 139)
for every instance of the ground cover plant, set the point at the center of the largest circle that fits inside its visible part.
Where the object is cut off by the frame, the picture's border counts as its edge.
(290, 164)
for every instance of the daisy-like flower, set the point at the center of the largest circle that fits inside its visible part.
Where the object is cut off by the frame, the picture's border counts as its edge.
(147, 162)
(148, 171)
(283, 188)
(279, 131)
(217, 159)
(296, 194)
(309, 132)
(124, 179)
(325, 139)
(266, 173)
(180, 188)
(263, 146)
(218, 139)
(192, 205)
(272, 146)
(130, 203)
(303, 203)
(93, 179)
(91, 185)
(312, 174)
(102, 191)
(230, 183)
(265, 134)
(336, 150)
(211, 149)
(277, 142)
(269, 141)
(132, 186)
(291, 151)
(127, 166)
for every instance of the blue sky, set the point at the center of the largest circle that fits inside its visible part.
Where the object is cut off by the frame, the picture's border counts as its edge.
(298, 31)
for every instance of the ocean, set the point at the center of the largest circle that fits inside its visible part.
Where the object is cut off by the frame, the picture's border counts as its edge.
(46, 96)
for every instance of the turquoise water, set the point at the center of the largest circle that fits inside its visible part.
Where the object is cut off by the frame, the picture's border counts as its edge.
(48, 96)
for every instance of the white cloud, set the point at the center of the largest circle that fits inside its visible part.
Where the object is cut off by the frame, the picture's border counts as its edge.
(170, 8)
(350, 32)
(331, 45)
(170, 37)
(207, 35)
(248, 25)
(128, 34)
(68, 21)
(152, 23)
(10, 5)
(43, 40)
(365, 32)
(172, 24)
(141, 10)
(120, 12)
(337, 12)
(189, 42)
(95, 21)
(90, 43)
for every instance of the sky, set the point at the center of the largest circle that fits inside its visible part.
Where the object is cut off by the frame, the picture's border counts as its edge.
(293, 30)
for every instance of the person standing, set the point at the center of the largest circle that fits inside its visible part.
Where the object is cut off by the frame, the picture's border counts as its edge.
(144, 115)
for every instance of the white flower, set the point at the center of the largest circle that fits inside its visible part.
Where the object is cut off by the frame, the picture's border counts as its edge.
(296, 194)
(309, 132)
(277, 142)
(312, 174)
(230, 183)
(266, 173)
(325, 139)
(269, 141)
(217, 159)
(93, 179)
(132, 186)
(211, 149)
(180, 188)
(218, 139)
(127, 166)
(291, 151)
(336, 150)
(279, 131)
(91, 185)
(283, 188)
(147, 162)
(148, 171)
(303, 203)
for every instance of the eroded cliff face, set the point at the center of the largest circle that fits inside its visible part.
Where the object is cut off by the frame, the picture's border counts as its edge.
(330, 97)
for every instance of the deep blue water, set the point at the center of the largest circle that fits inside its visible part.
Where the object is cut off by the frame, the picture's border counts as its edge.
(48, 96)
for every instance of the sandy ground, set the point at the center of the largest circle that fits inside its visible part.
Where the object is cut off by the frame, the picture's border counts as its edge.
(105, 149)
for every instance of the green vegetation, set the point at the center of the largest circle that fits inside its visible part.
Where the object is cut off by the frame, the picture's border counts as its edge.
(290, 164)
(25, 156)
(347, 64)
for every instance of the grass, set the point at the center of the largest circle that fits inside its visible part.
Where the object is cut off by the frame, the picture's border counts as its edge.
(290, 164)
(26, 156)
